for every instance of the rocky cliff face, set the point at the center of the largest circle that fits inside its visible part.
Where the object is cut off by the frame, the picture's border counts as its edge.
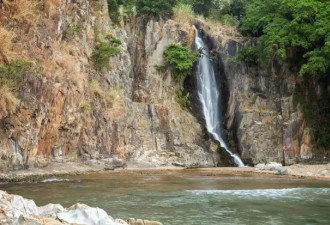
(68, 111)
(262, 120)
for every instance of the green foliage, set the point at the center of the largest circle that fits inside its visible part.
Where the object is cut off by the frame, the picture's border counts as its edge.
(251, 55)
(155, 7)
(113, 8)
(104, 50)
(113, 40)
(202, 7)
(228, 20)
(181, 58)
(302, 25)
(183, 98)
(129, 6)
(70, 31)
(12, 74)
(316, 109)
(237, 8)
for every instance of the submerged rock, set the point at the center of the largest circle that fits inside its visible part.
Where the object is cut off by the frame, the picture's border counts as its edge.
(18, 210)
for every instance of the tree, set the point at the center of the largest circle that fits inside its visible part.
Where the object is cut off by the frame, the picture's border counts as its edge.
(299, 25)
(202, 7)
(155, 7)
(237, 8)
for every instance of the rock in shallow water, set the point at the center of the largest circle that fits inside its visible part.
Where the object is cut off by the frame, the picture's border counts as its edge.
(142, 222)
(18, 210)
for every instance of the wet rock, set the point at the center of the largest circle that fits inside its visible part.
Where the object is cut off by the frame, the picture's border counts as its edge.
(142, 222)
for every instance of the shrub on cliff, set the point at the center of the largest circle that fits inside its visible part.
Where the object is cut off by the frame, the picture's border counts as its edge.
(181, 59)
(155, 7)
(12, 74)
(183, 98)
(104, 50)
(113, 8)
(10, 77)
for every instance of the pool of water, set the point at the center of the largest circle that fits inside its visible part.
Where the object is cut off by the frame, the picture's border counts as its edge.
(188, 198)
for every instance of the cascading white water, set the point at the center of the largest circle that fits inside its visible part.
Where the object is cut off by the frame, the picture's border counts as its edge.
(209, 95)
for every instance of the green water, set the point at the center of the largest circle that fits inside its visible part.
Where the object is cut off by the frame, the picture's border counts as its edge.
(190, 199)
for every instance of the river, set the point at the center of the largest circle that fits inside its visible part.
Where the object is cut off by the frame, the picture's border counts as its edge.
(177, 198)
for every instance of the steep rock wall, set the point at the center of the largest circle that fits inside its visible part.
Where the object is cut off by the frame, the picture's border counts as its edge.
(263, 122)
(124, 115)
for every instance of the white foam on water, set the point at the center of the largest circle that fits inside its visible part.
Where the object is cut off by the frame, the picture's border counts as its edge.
(55, 180)
(268, 193)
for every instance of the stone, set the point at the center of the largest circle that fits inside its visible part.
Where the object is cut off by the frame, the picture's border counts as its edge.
(87, 215)
(324, 172)
(133, 221)
(272, 166)
(50, 209)
(16, 210)
(282, 171)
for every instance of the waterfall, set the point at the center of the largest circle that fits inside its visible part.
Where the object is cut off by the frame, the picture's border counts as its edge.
(209, 95)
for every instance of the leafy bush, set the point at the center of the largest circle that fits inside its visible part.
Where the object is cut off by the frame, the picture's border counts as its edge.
(12, 74)
(70, 31)
(113, 8)
(237, 8)
(250, 55)
(104, 50)
(181, 58)
(183, 98)
(155, 7)
(302, 25)
(228, 20)
(202, 7)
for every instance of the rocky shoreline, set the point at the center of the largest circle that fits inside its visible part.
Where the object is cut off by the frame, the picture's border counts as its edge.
(15, 209)
(321, 172)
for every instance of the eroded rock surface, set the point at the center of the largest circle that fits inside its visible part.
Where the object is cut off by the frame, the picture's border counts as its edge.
(126, 114)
